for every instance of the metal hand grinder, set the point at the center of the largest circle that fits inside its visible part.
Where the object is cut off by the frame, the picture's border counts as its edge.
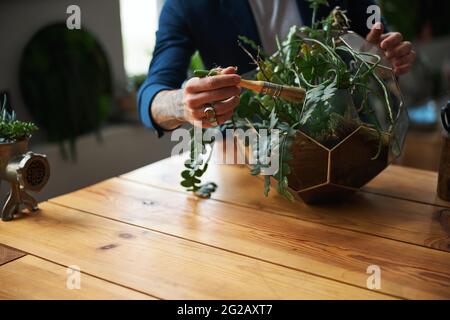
(25, 171)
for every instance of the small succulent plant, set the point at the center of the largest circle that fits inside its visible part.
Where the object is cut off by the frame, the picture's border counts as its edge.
(11, 129)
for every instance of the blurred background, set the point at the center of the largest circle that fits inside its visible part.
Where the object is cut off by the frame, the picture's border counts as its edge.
(84, 102)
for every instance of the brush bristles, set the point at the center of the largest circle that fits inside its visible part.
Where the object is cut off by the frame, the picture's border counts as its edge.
(293, 94)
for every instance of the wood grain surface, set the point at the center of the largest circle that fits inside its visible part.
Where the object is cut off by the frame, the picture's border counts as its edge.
(33, 278)
(161, 265)
(142, 236)
(409, 184)
(390, 217)
(409, 271)
(8, 254)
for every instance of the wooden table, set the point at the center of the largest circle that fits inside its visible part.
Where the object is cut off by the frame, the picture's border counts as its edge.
(141, 236)
(422, 150)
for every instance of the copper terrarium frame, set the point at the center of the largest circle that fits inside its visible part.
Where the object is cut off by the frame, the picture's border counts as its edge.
(320, 174)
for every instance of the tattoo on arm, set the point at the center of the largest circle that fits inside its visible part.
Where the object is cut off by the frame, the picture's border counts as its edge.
(168, 110)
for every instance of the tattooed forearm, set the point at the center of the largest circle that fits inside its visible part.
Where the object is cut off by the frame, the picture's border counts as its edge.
(167, 109)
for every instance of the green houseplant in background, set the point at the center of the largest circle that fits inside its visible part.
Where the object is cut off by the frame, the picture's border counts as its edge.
(196, 63)
(65, 81)
(347, 130)
(410, 17)
(425, 22)
(403, 16)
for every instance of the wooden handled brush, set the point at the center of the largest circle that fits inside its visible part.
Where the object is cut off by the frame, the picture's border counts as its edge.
(291, 94)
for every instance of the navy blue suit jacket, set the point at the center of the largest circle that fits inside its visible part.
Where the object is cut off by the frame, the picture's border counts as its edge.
(212, 27)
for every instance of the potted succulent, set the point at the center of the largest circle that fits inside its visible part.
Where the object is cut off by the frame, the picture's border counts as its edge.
(14, 134)
(350, 126)
(22, 169)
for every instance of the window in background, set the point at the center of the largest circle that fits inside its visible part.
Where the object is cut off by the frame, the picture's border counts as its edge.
(139, 20)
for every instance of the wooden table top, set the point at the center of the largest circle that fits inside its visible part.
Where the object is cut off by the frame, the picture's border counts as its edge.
(140, 236)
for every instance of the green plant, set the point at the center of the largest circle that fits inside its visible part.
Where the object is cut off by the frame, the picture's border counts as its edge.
(196, 63)
(411, 17)
(336, 77)
(65, 82)
(196, 167)
(11, 129)
(137, 81)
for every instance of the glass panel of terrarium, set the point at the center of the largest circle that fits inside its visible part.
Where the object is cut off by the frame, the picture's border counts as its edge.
(390, 95)
(399, 134)
(359, 44)
(329, 115)
(380, 104)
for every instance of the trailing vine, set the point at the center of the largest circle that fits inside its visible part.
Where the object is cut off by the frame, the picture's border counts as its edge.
(339, 81)
(196, 166)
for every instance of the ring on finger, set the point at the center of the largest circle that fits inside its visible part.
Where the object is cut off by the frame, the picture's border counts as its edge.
(210, 114)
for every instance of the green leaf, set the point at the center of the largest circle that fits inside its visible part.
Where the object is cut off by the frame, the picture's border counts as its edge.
(266, 186)
(255, 170)
(315, 4)
(249, 42)
(204, 73)
(200, 172)
(186, 183)
(273, 120)
(11, 129)
(206, 190)
(186, 174)
(309, 57)
(247, 106)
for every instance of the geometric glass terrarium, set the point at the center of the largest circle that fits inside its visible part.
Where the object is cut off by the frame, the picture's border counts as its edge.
(350, 124)
(321, 173)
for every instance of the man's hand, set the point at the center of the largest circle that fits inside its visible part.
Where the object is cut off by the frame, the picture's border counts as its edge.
(220, 91)
(400, 53)
(171, 109)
